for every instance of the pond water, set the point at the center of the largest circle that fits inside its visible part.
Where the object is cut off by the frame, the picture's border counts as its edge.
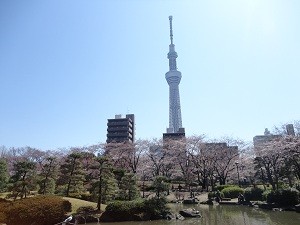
(226, 215)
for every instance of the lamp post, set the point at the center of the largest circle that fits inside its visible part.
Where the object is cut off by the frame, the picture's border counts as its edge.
(238, 173)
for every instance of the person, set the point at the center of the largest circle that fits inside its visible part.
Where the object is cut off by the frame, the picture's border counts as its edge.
(218, 196)
(241, 198)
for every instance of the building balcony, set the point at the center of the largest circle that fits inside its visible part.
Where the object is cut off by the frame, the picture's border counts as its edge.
(122, 129)
(124, 134)
(118, 123)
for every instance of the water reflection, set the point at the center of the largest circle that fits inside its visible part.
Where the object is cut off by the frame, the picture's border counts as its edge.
(227, 215)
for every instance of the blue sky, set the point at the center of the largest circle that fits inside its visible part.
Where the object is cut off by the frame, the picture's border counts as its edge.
(67, 66)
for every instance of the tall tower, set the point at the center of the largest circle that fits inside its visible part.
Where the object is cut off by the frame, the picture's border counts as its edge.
(173, 77)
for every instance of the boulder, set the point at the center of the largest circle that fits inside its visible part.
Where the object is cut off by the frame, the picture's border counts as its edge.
(189, 213)
(172, 216)
(191, 201)
(297, 207)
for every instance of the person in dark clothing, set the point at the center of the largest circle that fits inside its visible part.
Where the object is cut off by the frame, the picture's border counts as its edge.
(218, 196)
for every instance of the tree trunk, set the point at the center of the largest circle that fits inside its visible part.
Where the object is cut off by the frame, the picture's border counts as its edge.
(100, 191)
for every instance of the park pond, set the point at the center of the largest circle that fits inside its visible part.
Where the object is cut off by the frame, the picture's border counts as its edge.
(225, 215)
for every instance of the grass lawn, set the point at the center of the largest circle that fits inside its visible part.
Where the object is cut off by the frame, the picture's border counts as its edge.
(76, 203)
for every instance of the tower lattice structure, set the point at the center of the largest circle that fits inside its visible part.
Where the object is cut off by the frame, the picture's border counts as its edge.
(173, 77)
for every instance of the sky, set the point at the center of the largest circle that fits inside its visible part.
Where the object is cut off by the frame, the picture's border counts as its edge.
(68, 66)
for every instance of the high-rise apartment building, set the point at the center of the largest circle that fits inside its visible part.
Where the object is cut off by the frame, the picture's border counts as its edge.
(121, 129)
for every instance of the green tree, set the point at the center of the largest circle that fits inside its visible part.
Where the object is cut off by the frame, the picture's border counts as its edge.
(23, 180)
(72, 174)
(104, 184)
(160, 185)
(47, 176)
(3, 175)
(128, 187)
(119, 174)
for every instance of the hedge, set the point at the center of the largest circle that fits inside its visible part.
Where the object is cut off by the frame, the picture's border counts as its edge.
(46, 210)
(221, 187)
(140, 209)
(232, 192)
(253, 194)
(284, 197)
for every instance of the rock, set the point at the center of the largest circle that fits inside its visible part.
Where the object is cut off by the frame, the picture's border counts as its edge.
(267, 206)
(207, 202)
(190, 201)
(189, 213)
(172, 216)
(297, 207)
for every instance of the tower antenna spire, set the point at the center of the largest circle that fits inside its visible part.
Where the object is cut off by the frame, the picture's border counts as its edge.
(171, 29)
(173, 77)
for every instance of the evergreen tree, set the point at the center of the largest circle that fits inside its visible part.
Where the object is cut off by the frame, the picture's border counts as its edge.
(128, 187)
(72, 174)
(160, 185)
(119, 174)
(104, 185)
(23, 180)
(3, 175)
(47, 176)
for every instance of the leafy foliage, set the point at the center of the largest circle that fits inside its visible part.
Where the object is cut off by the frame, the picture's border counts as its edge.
(23, 179)
(221, 187)
(47, 176)
(46, 210)
(232, 192)
(284, 197)
(103, 184)
(3, 175)
(128, 188)
(213, 194)
(253, 194)
(154, 208)
(72, 174)
(134, 206)
(160, 185)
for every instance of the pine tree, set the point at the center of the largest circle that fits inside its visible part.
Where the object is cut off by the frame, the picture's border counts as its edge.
(104, 185)
(72, 174)
(3, 175)
(47, 176)
(128, 187)
(23, 180)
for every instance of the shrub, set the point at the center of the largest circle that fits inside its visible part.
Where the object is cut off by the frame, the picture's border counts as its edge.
(284, 197)
(253, 194)
(297, 186)
(213, 194)
(134, 206)
(156, 207)
(46, 210)
(265, 194)
(135, 210)
(221, 187)
(232, 192)
(85, 210)
(86, 197)
(149, 188)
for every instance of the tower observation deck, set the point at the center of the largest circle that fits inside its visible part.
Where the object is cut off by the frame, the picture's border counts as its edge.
(173, 77)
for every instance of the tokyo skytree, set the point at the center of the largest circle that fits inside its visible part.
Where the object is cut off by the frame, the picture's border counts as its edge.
(173, 77)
